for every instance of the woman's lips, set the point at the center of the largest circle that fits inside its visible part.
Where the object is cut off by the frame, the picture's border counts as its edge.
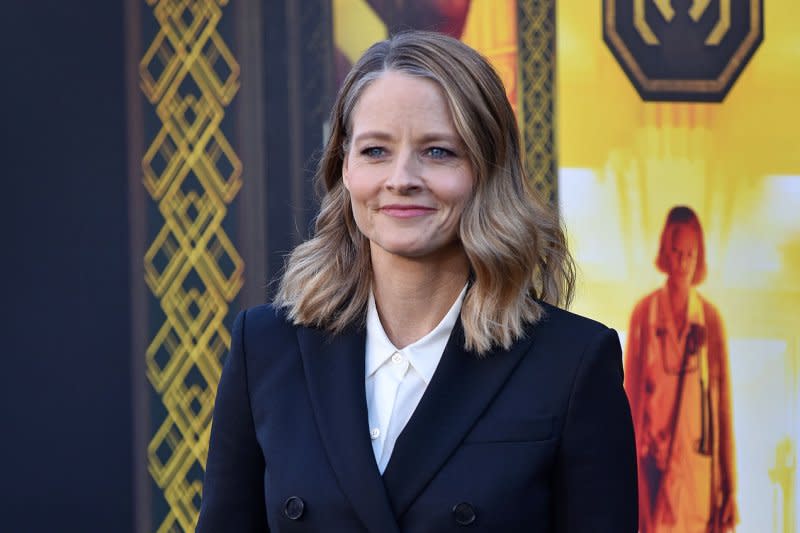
(406, 211)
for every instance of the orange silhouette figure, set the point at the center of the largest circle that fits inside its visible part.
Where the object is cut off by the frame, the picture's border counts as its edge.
(677, 380)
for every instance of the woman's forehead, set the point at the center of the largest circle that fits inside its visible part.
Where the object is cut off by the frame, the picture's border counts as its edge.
(684, 233)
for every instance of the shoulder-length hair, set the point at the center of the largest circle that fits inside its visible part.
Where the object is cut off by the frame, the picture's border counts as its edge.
(682, 214)
(516, 248)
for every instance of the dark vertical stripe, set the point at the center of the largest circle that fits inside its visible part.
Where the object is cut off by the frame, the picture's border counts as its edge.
(137, 234)
(298, 93)
(280, 218)
(250, 141)
(65, 398)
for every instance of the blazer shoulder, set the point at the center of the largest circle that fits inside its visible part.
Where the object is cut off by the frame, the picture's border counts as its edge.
(569, 337)
(267, 314)
(265, 322)
(567, 322)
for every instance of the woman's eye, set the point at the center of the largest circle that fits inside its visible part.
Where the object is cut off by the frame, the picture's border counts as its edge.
(438, 152)
(373, 151)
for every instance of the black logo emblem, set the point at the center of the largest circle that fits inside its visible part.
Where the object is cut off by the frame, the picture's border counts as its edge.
(683, 50)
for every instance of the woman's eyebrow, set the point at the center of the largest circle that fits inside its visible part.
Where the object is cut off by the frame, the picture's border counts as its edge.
(373, 135)
(423, 139)
(434, 137)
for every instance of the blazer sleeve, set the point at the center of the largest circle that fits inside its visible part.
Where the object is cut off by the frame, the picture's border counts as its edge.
(595, 473)
(233, 488)
(634, 359)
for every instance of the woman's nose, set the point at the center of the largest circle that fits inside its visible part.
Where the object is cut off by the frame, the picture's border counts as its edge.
(404, 175)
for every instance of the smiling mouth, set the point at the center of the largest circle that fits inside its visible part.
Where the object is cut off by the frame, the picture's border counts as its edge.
(406, 211)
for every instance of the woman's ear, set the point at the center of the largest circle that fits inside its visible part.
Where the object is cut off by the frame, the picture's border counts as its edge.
(345, 173)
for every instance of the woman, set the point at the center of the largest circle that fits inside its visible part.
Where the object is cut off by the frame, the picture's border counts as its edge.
(413, 374)
(677, 381)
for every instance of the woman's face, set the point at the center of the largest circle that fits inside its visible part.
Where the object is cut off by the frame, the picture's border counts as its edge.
(682, 254)
(406, 168)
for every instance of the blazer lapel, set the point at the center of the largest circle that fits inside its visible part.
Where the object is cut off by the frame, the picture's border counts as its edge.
(459, 392)
(334, 369)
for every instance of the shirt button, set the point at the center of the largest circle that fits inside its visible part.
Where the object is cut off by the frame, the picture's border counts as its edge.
(374, 433)
(397, 358)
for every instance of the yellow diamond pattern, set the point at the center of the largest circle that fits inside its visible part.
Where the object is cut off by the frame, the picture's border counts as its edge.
(192, 174)
(537, 72)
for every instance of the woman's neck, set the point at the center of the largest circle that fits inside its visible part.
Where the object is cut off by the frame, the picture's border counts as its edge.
(413, 295)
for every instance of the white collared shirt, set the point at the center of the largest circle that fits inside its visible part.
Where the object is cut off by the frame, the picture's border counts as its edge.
(397, 379)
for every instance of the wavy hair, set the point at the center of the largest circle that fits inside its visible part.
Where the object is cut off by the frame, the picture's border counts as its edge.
(514, 242)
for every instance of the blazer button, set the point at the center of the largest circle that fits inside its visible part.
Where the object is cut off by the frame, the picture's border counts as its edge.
(464, 514)
(293, 508)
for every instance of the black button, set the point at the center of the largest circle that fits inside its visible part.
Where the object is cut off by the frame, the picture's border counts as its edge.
(464, 514)
(293, 508)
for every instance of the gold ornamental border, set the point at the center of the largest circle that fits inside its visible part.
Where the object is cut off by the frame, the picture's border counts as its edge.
(191, 266)
(536, 20)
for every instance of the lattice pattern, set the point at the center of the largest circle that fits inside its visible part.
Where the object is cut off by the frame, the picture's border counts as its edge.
(192, 174)
(536, 19)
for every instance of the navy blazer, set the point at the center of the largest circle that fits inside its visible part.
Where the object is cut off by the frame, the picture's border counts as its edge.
(537, 438)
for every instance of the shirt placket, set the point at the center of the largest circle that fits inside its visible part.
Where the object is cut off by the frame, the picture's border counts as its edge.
(387, 384)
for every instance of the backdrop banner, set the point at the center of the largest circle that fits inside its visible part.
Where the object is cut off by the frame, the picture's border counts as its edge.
(684, 218)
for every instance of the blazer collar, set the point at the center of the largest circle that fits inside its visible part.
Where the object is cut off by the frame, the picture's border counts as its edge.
(334, 369)
(461, 389)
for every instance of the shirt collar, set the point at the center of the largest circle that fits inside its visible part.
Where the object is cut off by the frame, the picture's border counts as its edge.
(423, 354)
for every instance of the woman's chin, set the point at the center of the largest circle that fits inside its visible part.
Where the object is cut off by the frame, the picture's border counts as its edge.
(412, 251)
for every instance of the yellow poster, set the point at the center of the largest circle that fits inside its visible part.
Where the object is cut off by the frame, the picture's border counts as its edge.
(684, 219)
(489, 26)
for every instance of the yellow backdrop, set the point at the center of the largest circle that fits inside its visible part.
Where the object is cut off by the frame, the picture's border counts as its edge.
(624, 163)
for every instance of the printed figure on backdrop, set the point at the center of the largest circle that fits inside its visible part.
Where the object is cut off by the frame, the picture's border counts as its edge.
(677, 380)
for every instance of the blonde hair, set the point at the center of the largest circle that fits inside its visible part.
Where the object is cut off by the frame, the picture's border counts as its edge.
(514, 243)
